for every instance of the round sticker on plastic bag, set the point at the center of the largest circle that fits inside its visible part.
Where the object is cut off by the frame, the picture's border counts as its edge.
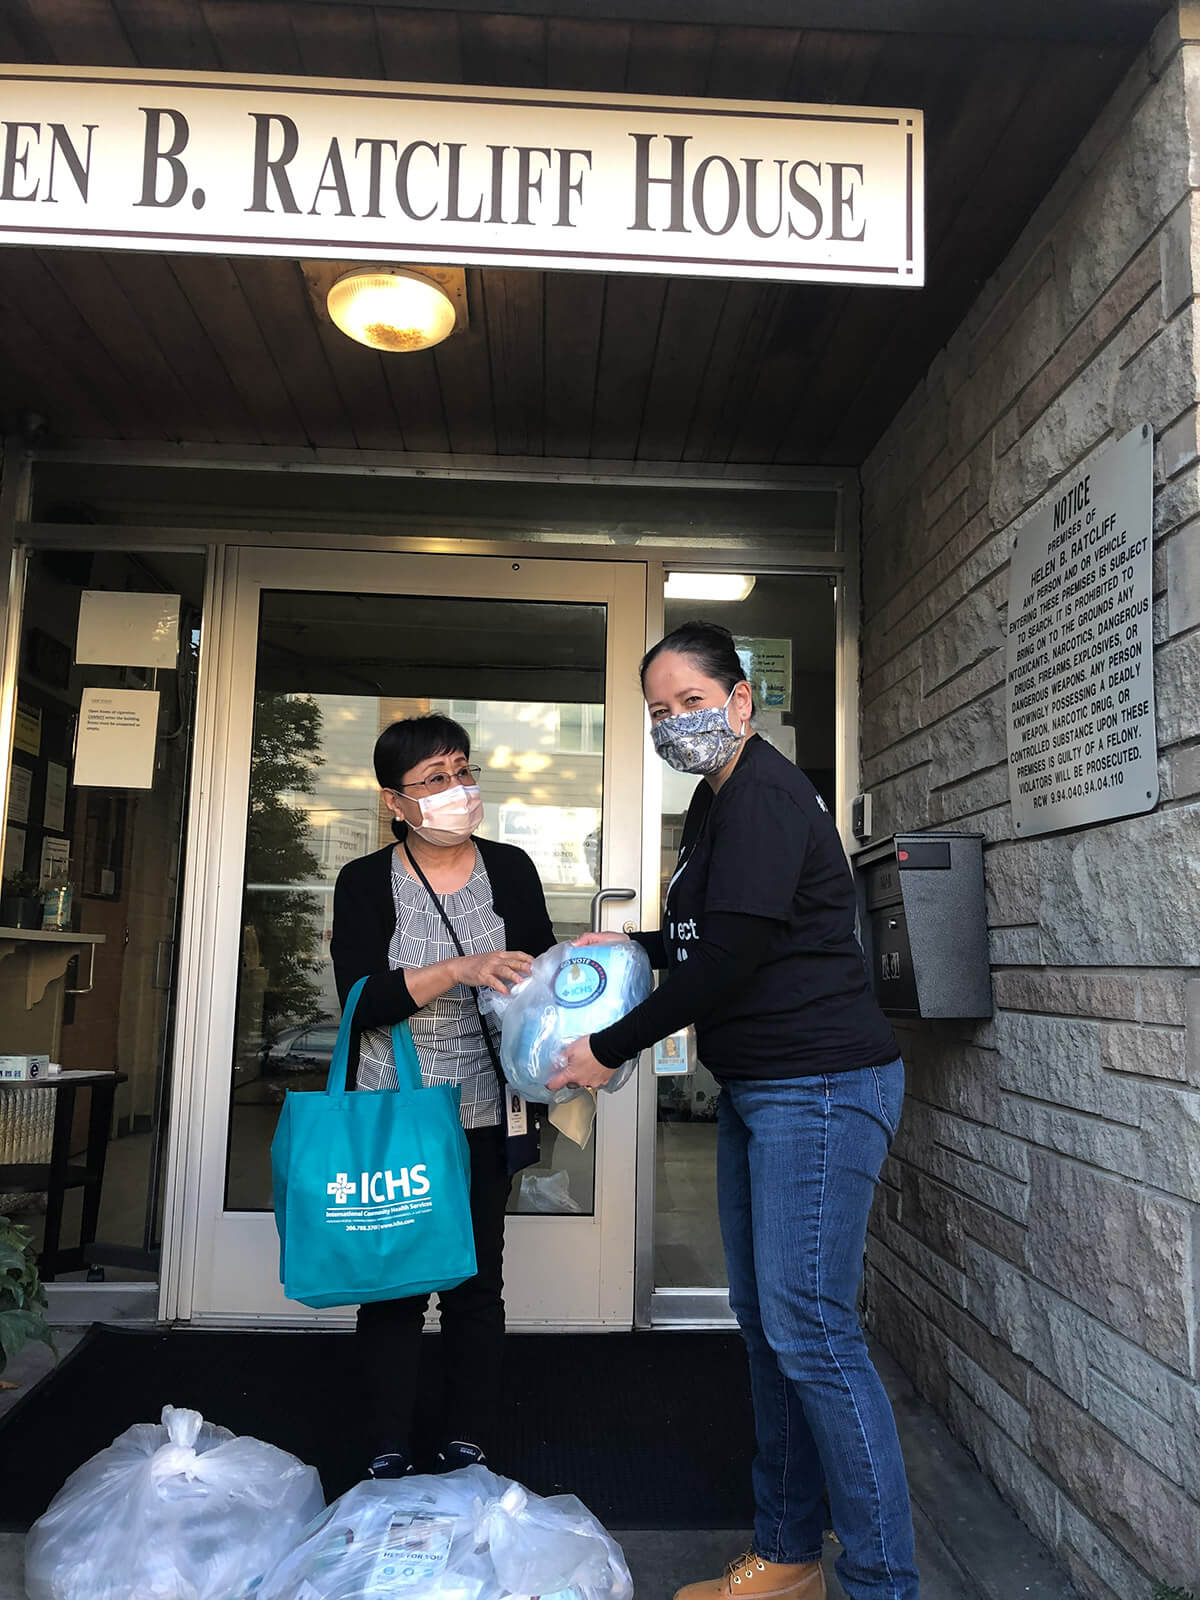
(578, 982)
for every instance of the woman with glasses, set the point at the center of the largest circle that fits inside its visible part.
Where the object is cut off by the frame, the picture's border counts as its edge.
(430, 921)
(759, 945)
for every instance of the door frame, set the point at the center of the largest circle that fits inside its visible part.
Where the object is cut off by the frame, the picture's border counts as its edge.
(220, 538)
(589, 1283)
(703, 1307)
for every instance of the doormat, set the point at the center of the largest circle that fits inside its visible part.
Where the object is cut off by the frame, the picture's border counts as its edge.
(650, 1430)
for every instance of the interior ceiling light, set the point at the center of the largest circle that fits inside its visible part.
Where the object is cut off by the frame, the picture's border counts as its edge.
(391, 308)
(707, 585)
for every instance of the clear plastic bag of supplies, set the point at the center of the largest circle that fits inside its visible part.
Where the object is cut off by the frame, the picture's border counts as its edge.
(398, 1536)
(466, 1535)
(572, 991)
(549, 1192)
(177, 1510)
(552, 1547)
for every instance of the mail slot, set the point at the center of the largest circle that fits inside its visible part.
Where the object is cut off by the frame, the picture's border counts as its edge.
(923, 924)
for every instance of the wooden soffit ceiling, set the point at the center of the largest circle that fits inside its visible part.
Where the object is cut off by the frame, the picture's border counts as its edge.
(215, 351)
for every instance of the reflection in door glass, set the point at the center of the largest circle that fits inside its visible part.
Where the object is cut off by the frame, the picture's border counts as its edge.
(786, 623)
(90, 905)
(526, 681)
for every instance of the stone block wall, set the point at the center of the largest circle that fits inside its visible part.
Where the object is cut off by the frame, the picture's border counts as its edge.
(1034, 1260)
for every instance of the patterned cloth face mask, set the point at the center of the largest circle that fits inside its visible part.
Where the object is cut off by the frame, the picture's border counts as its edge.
(697, 741)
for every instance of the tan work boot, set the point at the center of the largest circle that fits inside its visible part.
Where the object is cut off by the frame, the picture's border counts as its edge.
(756, 1579)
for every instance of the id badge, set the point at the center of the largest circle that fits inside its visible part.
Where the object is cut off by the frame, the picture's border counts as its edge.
(675, 1056)
(516, 1115)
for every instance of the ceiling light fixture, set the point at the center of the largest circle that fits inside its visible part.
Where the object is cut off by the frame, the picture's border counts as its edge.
(708, 585)
(391, 309)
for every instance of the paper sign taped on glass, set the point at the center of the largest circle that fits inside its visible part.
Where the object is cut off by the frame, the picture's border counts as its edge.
(118, 729)
(127, 630)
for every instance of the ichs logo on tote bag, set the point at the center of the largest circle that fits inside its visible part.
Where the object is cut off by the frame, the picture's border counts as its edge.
(373, 1190)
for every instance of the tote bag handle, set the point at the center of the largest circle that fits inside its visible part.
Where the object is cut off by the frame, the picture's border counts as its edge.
(408, 1068)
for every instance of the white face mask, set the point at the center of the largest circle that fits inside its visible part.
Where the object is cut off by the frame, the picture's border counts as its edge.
(450, 817)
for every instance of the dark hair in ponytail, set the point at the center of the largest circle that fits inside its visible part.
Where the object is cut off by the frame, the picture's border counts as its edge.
(709, 645)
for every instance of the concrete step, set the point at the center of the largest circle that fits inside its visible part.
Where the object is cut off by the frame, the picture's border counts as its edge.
(970, 1545)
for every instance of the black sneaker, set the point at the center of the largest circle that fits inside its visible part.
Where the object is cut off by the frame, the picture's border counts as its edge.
(458, 1453)
(390, 1464)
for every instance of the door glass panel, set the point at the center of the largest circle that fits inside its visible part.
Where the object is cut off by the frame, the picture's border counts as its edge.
(526, 681)
(784, 629)
(91, 980)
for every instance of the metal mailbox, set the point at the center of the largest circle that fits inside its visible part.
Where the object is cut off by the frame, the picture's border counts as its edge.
(923, 924)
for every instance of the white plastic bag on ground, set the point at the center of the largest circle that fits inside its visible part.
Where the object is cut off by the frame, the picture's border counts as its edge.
(177, 1510)
(398, 1536)
(572, 991)
(552, 1547)
(466, 1535)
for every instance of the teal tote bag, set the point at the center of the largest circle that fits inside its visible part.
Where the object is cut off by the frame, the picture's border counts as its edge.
(372, 1190)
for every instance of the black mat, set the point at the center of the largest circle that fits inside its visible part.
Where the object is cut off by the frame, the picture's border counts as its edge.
(651, 1430)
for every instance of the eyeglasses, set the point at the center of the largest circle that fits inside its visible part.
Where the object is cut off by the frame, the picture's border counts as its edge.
(438, 781)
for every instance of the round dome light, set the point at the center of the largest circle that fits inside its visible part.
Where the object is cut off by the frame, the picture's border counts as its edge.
(391, 309)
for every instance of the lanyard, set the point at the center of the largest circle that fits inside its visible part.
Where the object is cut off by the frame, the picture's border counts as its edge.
(483, 1027)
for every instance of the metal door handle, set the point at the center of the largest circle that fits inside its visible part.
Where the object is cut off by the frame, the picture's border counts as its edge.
(601, 896)
(91, 983)
(164, 955)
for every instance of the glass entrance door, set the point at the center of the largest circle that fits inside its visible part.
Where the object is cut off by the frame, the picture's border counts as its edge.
(537, 661)
(784, 629)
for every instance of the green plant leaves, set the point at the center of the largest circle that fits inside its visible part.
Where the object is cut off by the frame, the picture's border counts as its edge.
(12, 1259)
(17, 1328)
(22, 1295)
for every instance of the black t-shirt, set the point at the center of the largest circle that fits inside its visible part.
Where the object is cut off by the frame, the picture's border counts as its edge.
(765, 847)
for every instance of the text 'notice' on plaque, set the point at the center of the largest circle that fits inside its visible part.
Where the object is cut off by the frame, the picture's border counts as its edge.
(1080, 701)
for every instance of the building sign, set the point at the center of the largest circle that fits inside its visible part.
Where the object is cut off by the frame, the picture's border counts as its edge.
(558, 838)
(1081, 738)
(339, 841)
(225, 164)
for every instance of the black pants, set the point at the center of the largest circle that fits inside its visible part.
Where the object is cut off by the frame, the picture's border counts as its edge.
(472, 1321)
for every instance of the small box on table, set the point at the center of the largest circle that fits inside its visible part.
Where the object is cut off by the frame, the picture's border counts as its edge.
(23, 1069)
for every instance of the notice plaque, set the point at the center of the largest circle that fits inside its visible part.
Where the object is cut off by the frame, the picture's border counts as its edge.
(1080, 702)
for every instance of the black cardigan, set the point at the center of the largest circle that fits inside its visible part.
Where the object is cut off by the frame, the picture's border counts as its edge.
(364, 919)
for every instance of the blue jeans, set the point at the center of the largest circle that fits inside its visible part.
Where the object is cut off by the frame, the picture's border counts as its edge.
(797, 1163)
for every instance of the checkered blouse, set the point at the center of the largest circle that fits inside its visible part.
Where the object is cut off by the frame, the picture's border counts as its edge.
(446, 1032)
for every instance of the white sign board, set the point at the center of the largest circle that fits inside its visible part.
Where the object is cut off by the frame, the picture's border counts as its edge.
(54, 812)
(767, 664)
(236, 164)
(556, 837)
(14, 850)
(127, 630)
(340, 843)
(1081, 738)
(117, 733)
(769, 724)
(55, 862)
(20, 788)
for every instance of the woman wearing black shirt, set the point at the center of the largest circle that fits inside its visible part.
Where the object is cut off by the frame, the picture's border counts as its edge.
(760, 951)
